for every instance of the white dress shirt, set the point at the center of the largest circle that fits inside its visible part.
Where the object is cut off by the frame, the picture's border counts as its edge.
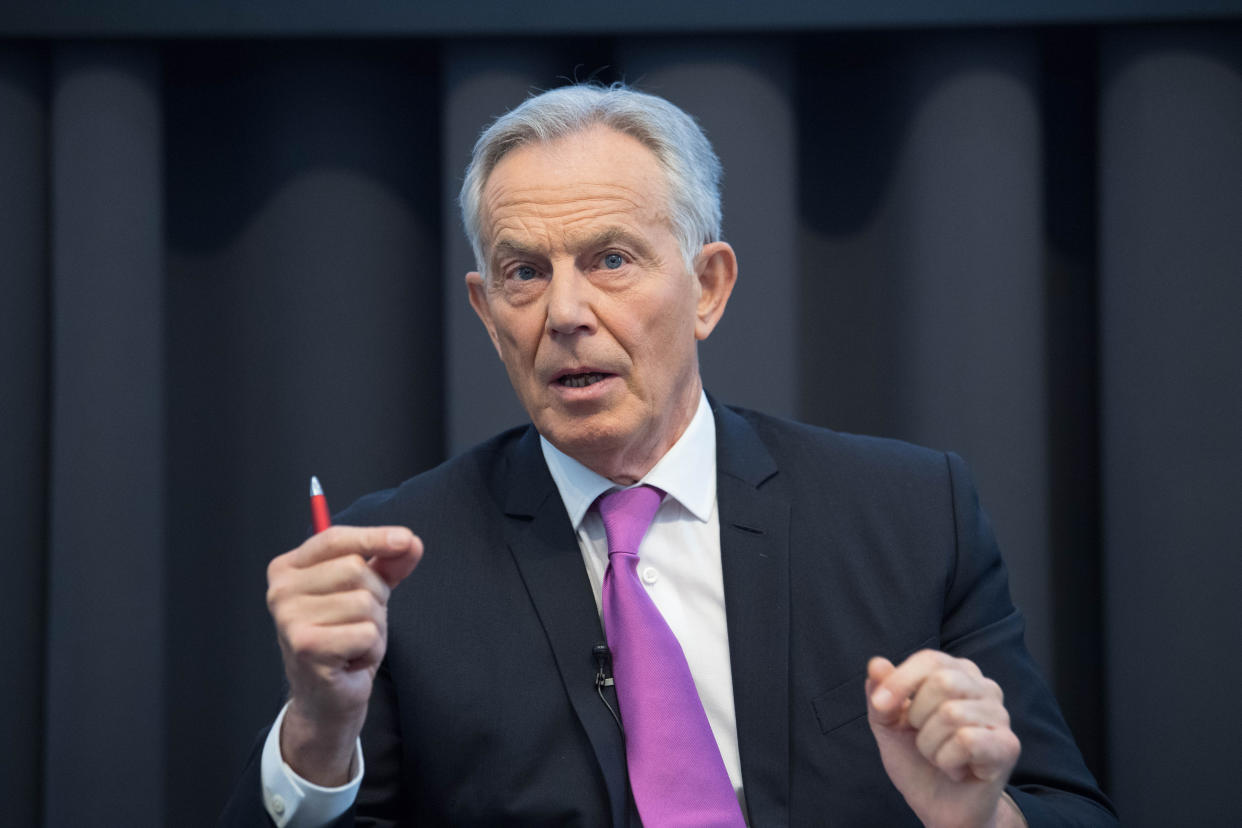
(679, 563)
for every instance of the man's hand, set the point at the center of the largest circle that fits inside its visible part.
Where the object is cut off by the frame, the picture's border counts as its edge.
(329, 599)
(944, 737)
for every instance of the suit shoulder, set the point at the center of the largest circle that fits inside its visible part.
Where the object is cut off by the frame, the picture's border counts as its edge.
(792, 440)
(454, 484)
(816, 462)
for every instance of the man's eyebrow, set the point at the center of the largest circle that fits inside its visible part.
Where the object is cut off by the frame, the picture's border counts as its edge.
(509, 248)
(613, 235)
(506, 247)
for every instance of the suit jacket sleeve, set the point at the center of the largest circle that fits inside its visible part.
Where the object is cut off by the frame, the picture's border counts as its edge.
(1050, 783)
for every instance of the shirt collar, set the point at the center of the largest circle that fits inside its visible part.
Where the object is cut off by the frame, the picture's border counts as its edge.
(686, 472)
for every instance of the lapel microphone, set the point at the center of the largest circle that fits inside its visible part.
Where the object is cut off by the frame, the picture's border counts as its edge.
(603, 678)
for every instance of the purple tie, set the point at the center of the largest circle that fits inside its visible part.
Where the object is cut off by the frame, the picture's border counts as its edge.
(676, 772)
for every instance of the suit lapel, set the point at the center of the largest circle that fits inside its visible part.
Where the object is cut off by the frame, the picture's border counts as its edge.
(754, 549)
(546, 551)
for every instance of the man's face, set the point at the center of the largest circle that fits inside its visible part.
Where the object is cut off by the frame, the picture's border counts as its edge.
(588, 301)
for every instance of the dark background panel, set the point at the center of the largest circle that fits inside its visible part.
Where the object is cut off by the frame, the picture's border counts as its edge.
(1071, 310)
(104, 704)
(24, 384)
(444, 18)
(1171, 289)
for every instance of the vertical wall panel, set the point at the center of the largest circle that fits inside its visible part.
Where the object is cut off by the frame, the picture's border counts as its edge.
(924, 281)
(1070, 114)
(304, 338)
(851, 118)
(740, 92)
(23, 422)
(968, 204)
(105, 695)
(1171, 291)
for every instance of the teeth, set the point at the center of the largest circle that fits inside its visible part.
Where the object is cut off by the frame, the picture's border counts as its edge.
(580, 380)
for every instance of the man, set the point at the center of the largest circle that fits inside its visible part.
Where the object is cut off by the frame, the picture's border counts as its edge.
(779, 558)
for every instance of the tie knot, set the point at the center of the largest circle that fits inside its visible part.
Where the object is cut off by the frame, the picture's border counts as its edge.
(627, 515)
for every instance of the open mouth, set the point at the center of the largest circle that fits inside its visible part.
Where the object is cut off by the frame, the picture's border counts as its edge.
(581, 380)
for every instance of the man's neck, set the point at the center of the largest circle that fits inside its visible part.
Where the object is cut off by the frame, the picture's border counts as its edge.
(687, 471)
(628, 465)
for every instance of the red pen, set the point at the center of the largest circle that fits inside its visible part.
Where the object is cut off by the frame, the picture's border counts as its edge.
(320, 517)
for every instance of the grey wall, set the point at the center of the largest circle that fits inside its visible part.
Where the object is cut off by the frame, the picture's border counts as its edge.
(1171, 300)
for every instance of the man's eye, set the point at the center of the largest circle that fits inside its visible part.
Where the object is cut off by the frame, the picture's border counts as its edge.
(613, 261)
(524, 273)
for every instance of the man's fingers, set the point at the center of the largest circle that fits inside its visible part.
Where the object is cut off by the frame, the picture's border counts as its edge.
(954, 715)
(345, 558)
(984, 753)
(393, 569)
(889, 696)
(938, 687)
(326, 610)
(878, 669)
(886, 713)
(890, 693)
(367, 541)
(996, 754)
(371, 658)
(335, 645)
(940, 674)
(342, 574)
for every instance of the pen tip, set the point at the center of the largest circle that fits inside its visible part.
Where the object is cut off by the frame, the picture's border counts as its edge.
(316, 489)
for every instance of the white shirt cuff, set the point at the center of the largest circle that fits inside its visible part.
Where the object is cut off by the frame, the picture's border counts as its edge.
(291, 801)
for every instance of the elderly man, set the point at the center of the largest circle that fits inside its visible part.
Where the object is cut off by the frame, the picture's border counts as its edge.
(649, 606)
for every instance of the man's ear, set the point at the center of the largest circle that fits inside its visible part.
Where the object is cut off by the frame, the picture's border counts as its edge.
(477, 288)
(716, 270)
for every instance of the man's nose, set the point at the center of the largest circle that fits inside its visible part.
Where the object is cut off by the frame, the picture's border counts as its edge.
(569, 301)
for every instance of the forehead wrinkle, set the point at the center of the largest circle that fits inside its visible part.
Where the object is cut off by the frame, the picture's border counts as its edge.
(545, 203)
(554, 201)
(559, 185)
(515, 249)
(518, 221)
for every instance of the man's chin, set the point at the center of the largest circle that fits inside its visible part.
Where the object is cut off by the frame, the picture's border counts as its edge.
(579, 438)
(582, 436)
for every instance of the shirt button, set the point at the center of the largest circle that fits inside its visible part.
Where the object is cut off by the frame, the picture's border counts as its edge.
(278, 804)
(650, 576)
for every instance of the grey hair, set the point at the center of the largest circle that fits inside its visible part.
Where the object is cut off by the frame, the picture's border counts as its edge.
(690, 165)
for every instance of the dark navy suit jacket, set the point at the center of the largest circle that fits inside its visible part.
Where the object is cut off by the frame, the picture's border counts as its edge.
(835, 548)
